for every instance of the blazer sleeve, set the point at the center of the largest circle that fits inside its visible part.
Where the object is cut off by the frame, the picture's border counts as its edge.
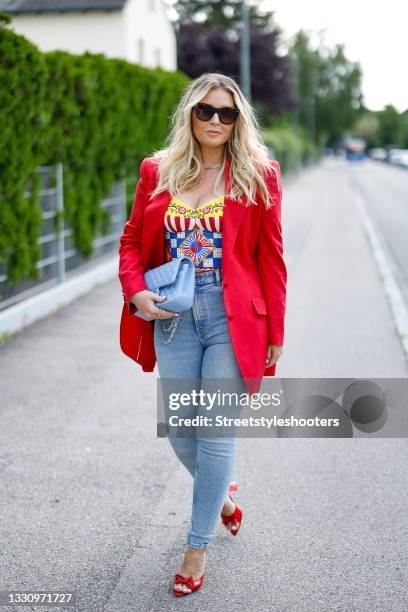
(131, 272)
(270, 262)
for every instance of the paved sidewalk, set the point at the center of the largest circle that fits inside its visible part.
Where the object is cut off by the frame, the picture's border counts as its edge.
(93, 502)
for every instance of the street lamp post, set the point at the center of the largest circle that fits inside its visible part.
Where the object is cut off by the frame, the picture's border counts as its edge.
(245, 51)
(294, 63)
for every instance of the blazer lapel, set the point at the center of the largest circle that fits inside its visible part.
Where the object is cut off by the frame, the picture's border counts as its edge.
(232, 215)
(153, 238)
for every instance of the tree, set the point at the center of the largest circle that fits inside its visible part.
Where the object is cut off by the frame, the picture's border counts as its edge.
(330, 86)
(208, 40)
(220, 13)
(389, 126)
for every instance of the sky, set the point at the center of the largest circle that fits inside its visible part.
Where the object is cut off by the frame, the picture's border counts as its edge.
(372, 32)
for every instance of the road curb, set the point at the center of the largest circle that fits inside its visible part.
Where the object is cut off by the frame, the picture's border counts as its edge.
(383, 261)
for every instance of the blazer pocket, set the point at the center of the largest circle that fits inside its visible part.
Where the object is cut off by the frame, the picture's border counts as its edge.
(260, 305)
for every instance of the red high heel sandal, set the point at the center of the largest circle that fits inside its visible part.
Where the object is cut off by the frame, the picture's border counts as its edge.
(190, 582)
(236, 516)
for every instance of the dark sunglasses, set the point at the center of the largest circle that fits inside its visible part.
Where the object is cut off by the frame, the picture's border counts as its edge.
(226, 114)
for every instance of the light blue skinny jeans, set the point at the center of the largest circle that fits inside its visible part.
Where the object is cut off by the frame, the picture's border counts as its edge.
(201, 349)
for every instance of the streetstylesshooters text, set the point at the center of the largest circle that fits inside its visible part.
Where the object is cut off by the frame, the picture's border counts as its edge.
(221, 399)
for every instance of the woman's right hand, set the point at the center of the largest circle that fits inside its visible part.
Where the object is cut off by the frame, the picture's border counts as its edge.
(145, 303)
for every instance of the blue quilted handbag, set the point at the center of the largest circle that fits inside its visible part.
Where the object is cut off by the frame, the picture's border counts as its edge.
(175, 280)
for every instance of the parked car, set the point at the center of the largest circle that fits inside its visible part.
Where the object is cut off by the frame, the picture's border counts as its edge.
(378, 154)
(398, 157)
(403, 159)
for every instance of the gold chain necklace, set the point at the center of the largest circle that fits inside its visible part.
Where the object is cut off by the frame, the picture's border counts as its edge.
(212, 167)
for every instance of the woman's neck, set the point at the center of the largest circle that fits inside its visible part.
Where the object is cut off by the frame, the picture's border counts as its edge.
(212, 156)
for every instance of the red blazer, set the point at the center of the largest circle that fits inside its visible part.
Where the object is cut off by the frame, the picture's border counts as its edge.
(254, 273)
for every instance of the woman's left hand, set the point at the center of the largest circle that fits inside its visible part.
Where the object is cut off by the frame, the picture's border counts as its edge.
(273, 354)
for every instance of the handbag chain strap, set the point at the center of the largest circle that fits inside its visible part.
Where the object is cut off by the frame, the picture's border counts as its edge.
(173, 326)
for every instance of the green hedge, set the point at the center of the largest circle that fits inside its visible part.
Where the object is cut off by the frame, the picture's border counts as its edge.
(97, 116)
(291, 149)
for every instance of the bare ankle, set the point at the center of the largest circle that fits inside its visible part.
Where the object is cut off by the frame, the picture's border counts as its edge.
(195, 552)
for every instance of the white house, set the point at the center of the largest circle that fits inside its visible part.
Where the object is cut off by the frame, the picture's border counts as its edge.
(136, 30)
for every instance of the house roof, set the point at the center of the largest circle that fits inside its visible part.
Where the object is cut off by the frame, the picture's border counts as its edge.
(54, 6)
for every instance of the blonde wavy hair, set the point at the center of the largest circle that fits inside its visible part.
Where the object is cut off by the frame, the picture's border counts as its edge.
(180, 166)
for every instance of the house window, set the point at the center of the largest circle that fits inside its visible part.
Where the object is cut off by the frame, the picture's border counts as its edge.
(140, 50)
(157, 53)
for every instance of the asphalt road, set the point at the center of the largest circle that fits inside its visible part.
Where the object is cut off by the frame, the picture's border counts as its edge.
(385, 190)
(94, 503)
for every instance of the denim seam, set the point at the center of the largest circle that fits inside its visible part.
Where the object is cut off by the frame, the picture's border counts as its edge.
(203, 545)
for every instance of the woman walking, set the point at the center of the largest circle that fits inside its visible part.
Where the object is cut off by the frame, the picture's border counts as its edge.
(214, 196)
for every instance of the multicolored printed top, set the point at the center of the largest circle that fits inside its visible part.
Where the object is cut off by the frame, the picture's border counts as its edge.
(195, 232)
